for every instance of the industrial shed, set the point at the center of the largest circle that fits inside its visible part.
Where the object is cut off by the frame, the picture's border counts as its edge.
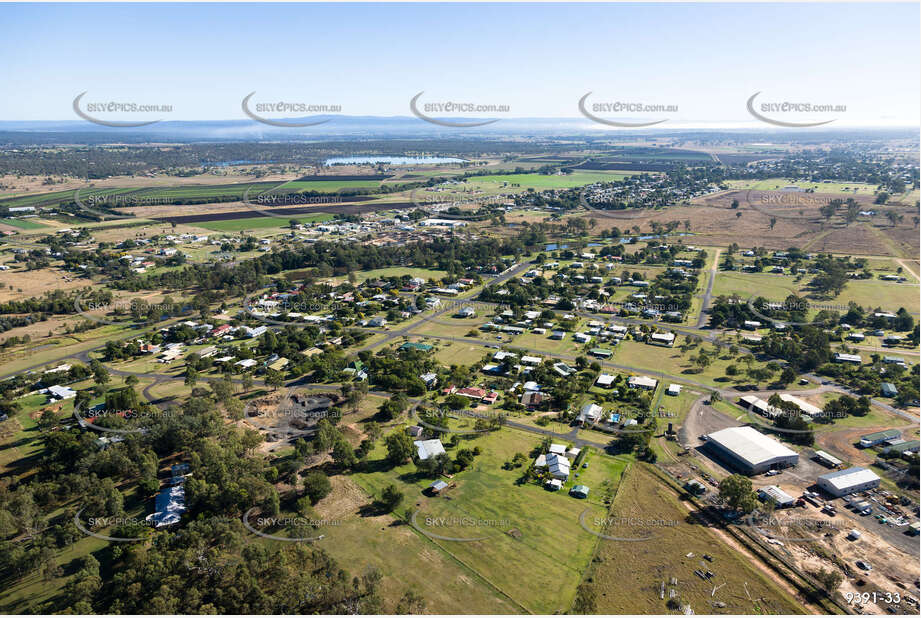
(775, 493)
(750, 451)
(844, 482)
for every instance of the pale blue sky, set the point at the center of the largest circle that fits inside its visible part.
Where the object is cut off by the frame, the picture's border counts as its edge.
(537, 58)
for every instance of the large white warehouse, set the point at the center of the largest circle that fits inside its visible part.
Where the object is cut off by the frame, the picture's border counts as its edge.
(844, 482)
(751, 451)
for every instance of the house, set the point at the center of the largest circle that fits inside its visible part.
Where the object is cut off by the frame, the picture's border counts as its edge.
(751, 325)
(466, 312)
(472, 392)
(579, 491)
(600, 353)
(554, 484)
(605, 380)
(429, 379)
(644, 382)
(531, 399)
(563, 369)
(589, 414)
(61, 392)
(848, 358)
(223, 329)
(428, 449)
(558, 335)
(664, 339)
(531, 360)
(558, 466)
(377, 322)
(278, 364)
(252, 333)
(168, 507)
(557, 449)
(490, 398)
(246, 363)
(415, 431)
(888, 389)
(674, 390)
(582, 337)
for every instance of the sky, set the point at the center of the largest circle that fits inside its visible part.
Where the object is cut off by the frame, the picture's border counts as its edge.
(706, 60)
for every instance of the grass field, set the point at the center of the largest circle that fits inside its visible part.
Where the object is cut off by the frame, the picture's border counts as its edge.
(867, 293)
(771, 184)
(253, 223)
(544, 181)
(672, 362)
(459, 354)
(395, 271)
(626, 576)
(24, 224)
(533, 549)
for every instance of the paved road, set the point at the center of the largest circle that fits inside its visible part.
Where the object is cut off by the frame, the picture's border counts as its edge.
(708, 295)
(390, 335)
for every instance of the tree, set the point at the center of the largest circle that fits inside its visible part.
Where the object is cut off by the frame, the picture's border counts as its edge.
(247, 382)
(274, 378)
(316, 486)
(773, 222)
(399, 447)
(736, 491)
(100, 373)
(788, 375)
(132, 381)
(344, 455)
(191, 377)
(391, 498)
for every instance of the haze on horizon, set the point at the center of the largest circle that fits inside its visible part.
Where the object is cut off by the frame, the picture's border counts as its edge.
(537, 59)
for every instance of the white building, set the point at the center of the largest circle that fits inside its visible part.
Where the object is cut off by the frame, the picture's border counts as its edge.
(751, 451)
(844, 482)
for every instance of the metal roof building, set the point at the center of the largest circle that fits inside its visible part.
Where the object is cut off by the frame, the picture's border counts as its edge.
(751, 451)
(844, 482)
(878, 437)
(775, 493)
(827, 459)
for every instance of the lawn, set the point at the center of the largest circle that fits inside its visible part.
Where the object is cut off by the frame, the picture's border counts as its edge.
(626, 576)
(459, 354)
(251, 223)
(533, 549)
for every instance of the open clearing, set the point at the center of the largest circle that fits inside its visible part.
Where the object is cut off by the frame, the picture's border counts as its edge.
(626, 576)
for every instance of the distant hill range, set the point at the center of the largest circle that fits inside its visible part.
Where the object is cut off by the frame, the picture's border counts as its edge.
(364, 127)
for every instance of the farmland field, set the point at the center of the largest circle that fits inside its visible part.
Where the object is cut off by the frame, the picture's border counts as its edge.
(252, 223)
